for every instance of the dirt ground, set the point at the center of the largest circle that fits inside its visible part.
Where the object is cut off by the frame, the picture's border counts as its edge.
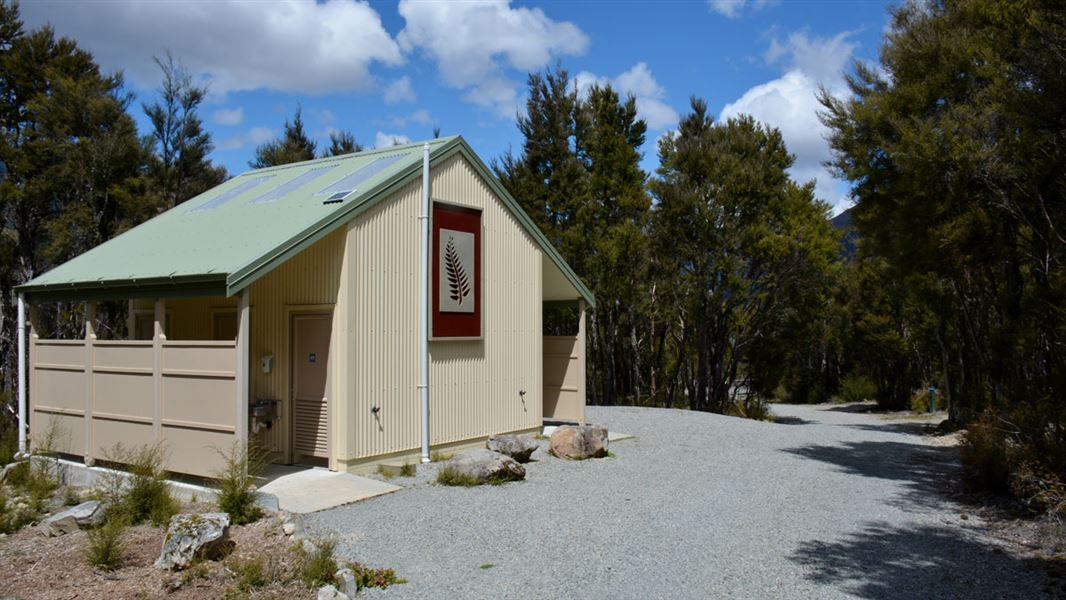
(34, 566)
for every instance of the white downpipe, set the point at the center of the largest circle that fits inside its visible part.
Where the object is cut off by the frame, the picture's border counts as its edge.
(22, 372)
(423, 316)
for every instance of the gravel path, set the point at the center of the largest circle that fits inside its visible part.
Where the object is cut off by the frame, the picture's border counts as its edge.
(827, 503)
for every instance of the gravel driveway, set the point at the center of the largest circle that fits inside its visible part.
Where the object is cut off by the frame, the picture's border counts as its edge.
(826, 503)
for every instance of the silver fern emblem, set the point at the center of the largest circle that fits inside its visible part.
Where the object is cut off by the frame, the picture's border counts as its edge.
(458, 284)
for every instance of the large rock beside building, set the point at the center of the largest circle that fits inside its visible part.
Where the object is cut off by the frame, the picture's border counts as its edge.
(579, 442)
(86, 514)
(480, 466)
(518, 447)
(192, 537)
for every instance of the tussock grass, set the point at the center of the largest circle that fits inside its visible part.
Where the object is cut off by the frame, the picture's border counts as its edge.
(106, 544)
(316, 567)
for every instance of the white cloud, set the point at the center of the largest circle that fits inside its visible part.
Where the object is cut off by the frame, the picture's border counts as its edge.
(734, 8)
(229, 116)
(289, 45)
(474, 43)
(384, 140)
(638, 82)
(419, 117)
(400, 91)
(252, 137)
(790, 103)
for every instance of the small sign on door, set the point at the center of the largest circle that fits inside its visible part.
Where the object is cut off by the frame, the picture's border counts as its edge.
(312, 357)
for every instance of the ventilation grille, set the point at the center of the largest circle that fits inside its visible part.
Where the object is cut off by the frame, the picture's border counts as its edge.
(232, 193)
(290, 185)
(349, 183)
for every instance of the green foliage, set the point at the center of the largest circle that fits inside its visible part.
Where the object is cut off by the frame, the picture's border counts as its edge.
(985, 454)
(369, 577)
(340, 143)
(9, 444)
(920, 401)
(857, 388)
(486, 566)
(451, 477)
(141, 493)
(438, 456)
(250, 573)
(241, 466)
(105, 545)
(316, 567)
(293, 146)
(407, 470)
(70, 496)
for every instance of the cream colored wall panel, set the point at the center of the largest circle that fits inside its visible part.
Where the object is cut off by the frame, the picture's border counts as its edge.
(60, 389)
(195, 451)
(196, 400)
(123, 355)
(209, 357)
(123, 394)
(68, 430)
(108, 432)
(60, 352)
(474, 385)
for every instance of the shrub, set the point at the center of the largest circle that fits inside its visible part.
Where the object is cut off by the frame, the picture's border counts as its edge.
(752, 407)
(143, 494)
(70, 496)
(9, 445)
(106, 544)
(438, 456)
(985, 455)
(857, 388)
(369, 577)
(407, 470)
(1040, 490)
(920, 401)
(242, 465)
(250, 573)
(316, 566)
(450, 476)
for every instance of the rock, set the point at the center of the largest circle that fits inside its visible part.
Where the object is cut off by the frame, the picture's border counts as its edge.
(288, 528)
(485, 466)
(191, 537)
(518, 447)
(579, 442)
(86, 514)
(328, 592)
(267, 502)
(346, 578)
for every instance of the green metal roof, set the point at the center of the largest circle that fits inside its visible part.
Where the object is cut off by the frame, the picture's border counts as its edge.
(221, 241)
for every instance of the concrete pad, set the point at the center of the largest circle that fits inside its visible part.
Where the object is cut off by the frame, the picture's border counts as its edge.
(310, 490)
(612, 436)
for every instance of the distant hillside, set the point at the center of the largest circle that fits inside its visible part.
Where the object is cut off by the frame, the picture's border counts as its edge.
(846, 222)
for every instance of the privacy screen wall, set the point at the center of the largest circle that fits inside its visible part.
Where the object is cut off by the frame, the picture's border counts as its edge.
(456, 285)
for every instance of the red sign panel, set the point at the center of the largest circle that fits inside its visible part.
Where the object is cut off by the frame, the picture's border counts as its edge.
(455, 288)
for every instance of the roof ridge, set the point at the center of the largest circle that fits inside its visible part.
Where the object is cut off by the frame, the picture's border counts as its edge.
(350, 155)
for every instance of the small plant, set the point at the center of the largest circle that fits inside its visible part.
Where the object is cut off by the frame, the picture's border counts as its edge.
(71, 497)
(369, 577)
(242, 465)
(250, 573)
(985, 455)
(452, 477)
(316, 566)
(106, 544)
(143, 494)
(438, 456)
(407, 470)
(197, 570)
(486, 566)
(857, 388)
(384, 472)
(920, 401)
(9, 445)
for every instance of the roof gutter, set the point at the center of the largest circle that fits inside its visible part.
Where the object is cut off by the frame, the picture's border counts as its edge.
(206, 284)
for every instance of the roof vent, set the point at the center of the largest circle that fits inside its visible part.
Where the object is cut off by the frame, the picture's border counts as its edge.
(335, 198)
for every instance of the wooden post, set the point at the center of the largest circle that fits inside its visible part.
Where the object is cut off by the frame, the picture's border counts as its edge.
(87, 416)
(158, 337)
(243, 347)
(581, 358)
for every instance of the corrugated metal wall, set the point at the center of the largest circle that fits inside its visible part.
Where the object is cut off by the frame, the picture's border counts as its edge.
(474, 385)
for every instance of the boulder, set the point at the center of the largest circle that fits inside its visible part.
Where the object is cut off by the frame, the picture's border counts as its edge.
(579, 442)
(518, 447)
(328, 592)
(86, 514)
(484, 466)
(346, 580)
(192, 537)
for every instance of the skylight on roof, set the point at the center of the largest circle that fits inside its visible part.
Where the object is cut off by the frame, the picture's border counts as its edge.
(290, 185)
(232, 193)
(350, 182)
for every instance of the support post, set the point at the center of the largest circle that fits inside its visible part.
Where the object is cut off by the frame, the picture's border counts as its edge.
(22, 372)
(87, 415)
(243, 331)
(423, 317)
(581, 358)
(158, 337)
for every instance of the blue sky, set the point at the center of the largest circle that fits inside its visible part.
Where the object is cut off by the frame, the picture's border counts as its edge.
(395, 70)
